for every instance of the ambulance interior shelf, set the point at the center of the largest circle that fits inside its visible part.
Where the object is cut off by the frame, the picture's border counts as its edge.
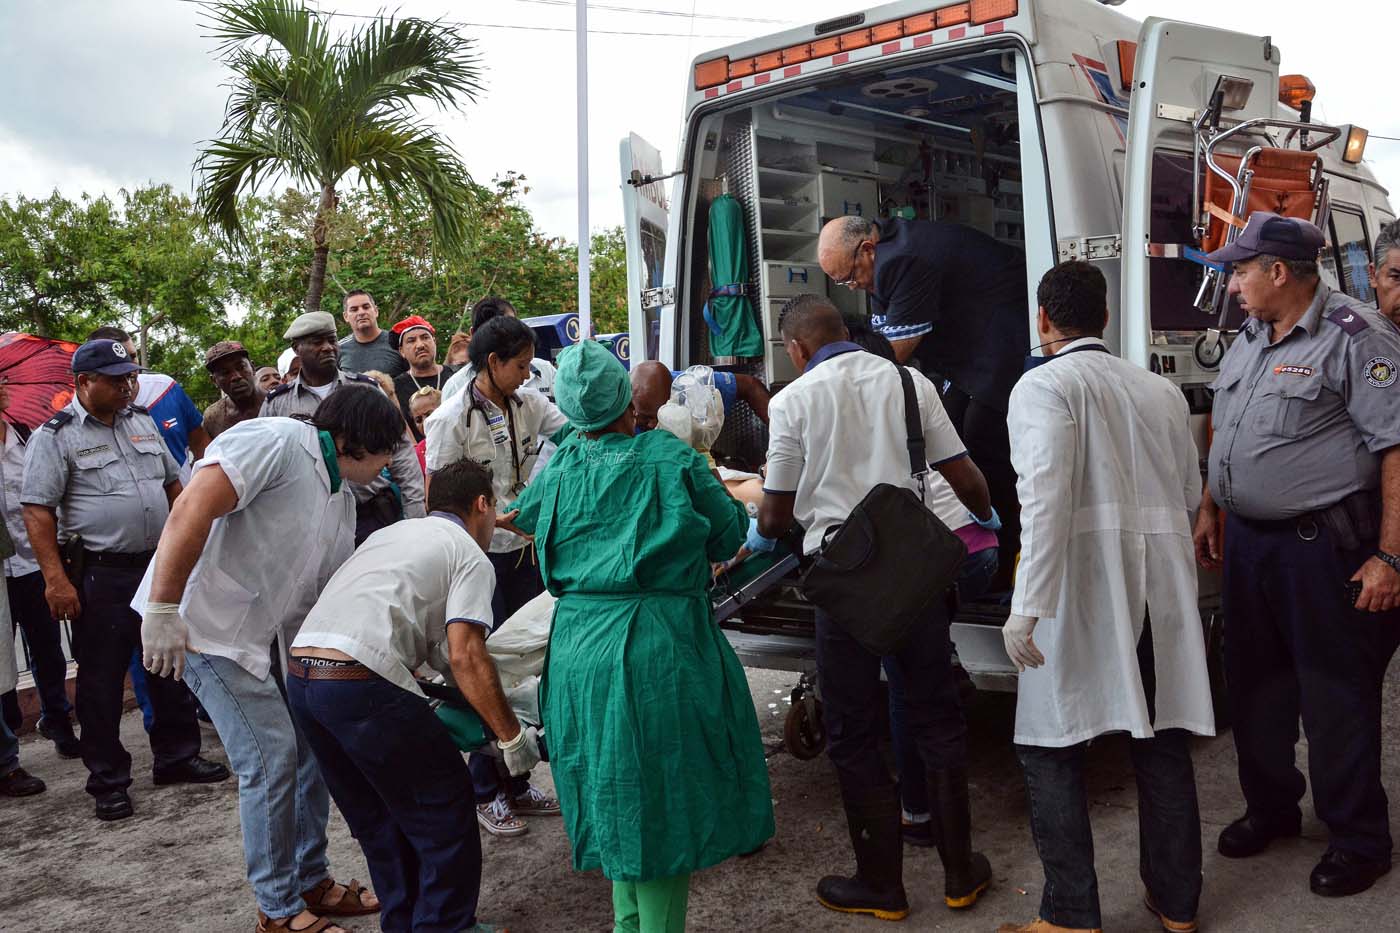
(933, 141)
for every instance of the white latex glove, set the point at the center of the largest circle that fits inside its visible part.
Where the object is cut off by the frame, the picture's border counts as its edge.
(522, 752)
(164, 640)
(1016, 634)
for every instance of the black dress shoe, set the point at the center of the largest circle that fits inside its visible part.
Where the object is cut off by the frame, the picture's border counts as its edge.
(1249, 836)
(113, 805)
(1342, 873)
(61, 735)
(20, 783)
(194, 771)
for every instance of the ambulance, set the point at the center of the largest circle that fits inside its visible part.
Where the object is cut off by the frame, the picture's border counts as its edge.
(1062, 127)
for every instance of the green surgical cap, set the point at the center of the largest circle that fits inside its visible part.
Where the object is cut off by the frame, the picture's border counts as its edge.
(591, 388)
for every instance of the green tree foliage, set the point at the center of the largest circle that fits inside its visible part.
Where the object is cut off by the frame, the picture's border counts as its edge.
(318, 107)
(144, 262)
(50, 281)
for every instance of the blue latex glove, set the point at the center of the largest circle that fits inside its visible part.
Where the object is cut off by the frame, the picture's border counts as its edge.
(755, 542)
(991, 524)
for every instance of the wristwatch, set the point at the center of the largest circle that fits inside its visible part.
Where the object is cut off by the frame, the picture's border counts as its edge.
(1390, 559)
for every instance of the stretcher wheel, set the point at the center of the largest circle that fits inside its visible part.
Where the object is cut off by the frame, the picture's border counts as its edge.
(803, 732)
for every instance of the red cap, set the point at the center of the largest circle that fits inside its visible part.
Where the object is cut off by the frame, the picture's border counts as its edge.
(412, 321)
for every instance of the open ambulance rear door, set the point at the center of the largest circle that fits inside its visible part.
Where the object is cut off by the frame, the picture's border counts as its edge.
(646, 221)
(1177, 70)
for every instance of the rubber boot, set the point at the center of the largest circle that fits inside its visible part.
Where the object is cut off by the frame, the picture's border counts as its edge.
(878, 886)
(966, 874)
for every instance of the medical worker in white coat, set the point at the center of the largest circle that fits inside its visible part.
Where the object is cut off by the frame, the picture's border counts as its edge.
(1104, 622)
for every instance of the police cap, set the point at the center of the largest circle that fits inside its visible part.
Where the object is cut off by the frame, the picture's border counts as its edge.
(108, 357)
(1269, 234)
(311, 324)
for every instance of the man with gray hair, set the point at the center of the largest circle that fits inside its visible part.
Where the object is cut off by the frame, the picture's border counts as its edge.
(953, 303)
(1305, 491)
(1385, 270)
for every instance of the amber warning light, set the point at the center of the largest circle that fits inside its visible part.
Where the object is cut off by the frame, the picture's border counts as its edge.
(1295, 90)
(716, 71)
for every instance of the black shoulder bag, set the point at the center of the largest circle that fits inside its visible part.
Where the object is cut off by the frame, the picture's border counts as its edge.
(882, 572)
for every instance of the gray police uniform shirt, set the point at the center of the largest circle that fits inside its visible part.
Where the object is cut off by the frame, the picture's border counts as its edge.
(296, 399)
(381, 353)
(1300, 424)
(107, 484)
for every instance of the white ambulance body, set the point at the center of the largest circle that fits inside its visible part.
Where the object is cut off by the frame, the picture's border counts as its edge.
(1060, 126)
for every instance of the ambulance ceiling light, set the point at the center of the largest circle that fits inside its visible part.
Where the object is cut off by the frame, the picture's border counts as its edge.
(900, 88)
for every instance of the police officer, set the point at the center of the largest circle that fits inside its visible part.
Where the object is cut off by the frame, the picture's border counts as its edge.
(313, 341)
(1305, 484)
(99, 477)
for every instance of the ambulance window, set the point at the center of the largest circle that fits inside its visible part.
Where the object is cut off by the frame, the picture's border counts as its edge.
(1353, 253)
(1174, 282)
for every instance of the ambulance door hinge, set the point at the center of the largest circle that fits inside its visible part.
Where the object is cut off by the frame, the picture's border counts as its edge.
(1091, 248)
(658, 297)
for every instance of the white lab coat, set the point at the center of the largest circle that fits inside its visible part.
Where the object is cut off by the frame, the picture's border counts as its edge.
(1108, 476)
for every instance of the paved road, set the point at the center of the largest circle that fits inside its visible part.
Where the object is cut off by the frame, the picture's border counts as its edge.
(178, 864)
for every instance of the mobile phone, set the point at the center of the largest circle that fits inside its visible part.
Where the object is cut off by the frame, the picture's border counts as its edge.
(1353, 591)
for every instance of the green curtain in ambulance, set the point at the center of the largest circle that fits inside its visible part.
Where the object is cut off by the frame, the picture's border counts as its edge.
(729, 314)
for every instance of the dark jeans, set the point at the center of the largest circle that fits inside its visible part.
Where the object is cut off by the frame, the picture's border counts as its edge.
(983, 429)
(109, 630)
(517, 582)
(973, 580)
(399, 781)
(1294, 647)
(30, 613)
(1169, 828)
(850, 691)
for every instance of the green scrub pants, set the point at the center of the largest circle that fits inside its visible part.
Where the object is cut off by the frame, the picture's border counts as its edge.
(651, 906)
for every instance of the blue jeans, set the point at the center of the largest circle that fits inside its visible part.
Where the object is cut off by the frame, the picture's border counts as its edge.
(976, 575)
(404, 791)
(1169, 828)
(283, 804)
(137, 673)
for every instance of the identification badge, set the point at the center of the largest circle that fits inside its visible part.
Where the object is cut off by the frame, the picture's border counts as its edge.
(1293, 369)
(500, 437)
(138, 438)
(89, 451)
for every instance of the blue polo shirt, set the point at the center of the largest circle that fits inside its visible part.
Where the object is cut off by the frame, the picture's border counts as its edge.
(961, 291)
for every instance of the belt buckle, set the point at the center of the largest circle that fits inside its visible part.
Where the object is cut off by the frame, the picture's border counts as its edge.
(1307, 528)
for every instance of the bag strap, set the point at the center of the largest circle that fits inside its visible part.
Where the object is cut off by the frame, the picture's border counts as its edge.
(914, 429)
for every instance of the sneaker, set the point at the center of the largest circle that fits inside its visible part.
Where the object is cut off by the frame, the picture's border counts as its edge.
(535, 802)
(498, 819)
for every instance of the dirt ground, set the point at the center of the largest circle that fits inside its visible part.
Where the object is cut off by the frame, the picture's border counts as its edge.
(178, 864)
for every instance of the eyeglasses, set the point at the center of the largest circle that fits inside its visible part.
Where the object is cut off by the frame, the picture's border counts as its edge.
(850, 278)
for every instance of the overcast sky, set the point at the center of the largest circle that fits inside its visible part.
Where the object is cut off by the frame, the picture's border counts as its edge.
(102, 94)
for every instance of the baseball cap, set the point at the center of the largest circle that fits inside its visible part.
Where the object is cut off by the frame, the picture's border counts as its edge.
(1272, 235)
(108, 357)
(223, 349)
(410, 322)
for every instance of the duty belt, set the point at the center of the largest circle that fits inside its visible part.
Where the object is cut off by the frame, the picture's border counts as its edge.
(1350, 523)
(122, 560)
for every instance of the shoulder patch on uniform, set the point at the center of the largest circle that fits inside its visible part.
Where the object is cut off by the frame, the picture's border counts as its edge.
(277, 390)
(58, 420)
(1348, 320)
(1381, 372)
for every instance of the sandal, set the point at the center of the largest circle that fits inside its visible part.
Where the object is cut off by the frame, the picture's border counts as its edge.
(351, 902)
(284, 925)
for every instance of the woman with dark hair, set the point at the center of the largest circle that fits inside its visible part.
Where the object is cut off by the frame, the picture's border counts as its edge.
(499, 423)
(220, 590)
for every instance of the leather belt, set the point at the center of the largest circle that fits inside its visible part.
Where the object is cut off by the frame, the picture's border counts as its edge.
(297, 668)
(120, 559)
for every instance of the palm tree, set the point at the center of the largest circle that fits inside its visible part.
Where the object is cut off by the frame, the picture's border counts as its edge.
(315, 107)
